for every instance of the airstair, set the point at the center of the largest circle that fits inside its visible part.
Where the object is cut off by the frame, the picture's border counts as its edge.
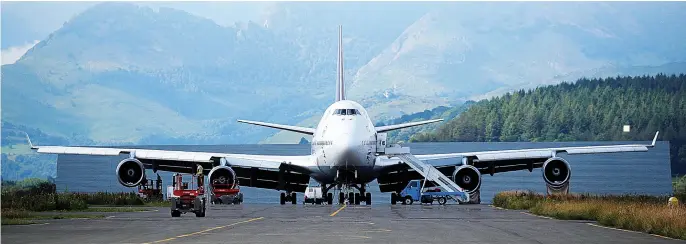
(429, 172)
(426, 170)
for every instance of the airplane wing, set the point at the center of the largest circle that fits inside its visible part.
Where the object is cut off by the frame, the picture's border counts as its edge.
(491, 162)
(404, 125)
(262, 171)
(298, 129)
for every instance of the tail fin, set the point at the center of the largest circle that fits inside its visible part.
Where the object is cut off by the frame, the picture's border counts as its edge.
(340, 85)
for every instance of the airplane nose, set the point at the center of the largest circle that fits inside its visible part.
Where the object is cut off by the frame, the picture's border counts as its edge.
(347, 153)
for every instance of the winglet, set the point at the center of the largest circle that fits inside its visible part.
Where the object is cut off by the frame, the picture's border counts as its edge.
(29, 140)
(654, 139)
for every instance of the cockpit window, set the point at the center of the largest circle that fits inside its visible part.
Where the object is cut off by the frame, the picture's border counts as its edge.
(346, 112)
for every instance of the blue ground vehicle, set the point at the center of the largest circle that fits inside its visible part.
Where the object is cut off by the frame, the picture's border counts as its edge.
(414, 192)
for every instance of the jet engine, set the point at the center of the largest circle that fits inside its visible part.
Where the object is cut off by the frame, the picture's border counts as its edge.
(468, 178)
(130, 172)
(556, 173)
(222, 176)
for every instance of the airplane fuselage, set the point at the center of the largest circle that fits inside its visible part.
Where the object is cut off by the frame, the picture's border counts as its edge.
(344, 145)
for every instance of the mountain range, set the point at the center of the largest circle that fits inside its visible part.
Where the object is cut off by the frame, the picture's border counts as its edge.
(127, 73)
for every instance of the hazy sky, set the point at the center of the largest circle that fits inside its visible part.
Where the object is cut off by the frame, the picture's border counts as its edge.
(26, 23)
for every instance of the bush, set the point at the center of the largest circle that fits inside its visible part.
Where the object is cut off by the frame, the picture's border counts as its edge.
(679, 186)
(40, 195)
(108, 198)
(67, 201)
(29, 186)
(42, 202)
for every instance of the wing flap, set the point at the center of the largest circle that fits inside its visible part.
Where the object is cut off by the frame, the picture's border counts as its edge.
(271, 178)
(80, 150)
(256, 163)
(173, 155)
(589, 150)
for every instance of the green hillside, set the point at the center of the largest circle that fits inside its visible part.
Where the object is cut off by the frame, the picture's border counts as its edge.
(587, 110)
(441, 112)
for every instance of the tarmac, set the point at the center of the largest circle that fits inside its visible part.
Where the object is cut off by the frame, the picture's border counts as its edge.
(273, 223)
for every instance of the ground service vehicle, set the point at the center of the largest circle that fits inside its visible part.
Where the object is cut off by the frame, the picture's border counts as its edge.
(151, 189)
(414, 192)
(188, 198)
(225, 193)
(313, 195)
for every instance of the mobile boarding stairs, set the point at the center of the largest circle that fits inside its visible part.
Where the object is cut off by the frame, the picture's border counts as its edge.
(426, 170)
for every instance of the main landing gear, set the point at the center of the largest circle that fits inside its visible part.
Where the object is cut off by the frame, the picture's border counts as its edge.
(285, 197)
(345, 196)
(349, 196)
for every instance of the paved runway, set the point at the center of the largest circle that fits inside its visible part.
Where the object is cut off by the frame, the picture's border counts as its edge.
(271, 223)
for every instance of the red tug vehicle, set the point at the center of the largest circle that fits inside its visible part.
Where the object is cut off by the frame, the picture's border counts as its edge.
(188, 198)
(224, 187)
(223, 193)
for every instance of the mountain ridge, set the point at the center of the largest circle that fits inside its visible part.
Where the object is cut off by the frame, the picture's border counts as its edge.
(122, 73)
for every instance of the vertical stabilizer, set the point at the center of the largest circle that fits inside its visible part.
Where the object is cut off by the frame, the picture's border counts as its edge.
(340, 85)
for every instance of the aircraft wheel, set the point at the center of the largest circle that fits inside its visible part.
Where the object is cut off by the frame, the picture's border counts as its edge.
(200, 213)
(283, 198)
(341, 198)
(368, 198)
(293, 199)
(357, 198)
(393, 198)
(329, 198)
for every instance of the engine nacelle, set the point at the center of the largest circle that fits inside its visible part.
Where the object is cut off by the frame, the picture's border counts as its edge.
(130, 172)
(468, 178)
(556, 173)
(223, 176)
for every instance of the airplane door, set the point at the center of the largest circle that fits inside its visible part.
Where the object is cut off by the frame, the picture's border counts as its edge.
(381, 142)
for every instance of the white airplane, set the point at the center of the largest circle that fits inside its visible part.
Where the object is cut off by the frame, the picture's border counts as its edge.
(347, 151)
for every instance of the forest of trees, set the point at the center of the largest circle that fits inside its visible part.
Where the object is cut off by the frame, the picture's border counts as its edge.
(587, 110)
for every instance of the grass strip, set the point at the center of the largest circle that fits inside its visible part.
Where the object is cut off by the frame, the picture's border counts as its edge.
(638, 213)
(17, 217)
(6, 221)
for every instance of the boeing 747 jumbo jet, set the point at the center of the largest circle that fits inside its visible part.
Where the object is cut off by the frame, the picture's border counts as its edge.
(347, 152)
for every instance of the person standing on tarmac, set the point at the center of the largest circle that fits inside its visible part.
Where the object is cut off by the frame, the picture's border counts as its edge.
(199, 170)
(199, 173)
